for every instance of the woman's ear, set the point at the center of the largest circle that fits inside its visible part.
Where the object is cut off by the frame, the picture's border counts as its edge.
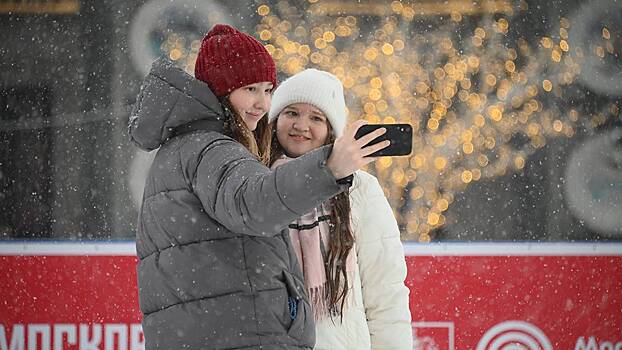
(273, 122)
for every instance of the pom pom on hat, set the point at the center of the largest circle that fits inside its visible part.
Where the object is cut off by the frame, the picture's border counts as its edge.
(229, 59)
(319, 88)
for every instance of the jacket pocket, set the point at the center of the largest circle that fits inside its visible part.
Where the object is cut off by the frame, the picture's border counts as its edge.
(302, 327)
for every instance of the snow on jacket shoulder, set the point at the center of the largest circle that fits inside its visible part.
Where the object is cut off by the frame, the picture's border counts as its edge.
(379, 316)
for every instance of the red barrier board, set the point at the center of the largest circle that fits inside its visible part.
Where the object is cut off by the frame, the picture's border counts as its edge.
(69, 296)
(463, 296)
(560, 299)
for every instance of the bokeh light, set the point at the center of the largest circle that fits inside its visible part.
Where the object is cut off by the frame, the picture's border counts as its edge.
(469, 93)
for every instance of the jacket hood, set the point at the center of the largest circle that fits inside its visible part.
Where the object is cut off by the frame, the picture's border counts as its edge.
(170, 98)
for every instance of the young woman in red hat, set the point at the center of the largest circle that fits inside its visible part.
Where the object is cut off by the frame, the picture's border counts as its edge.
(216, 268)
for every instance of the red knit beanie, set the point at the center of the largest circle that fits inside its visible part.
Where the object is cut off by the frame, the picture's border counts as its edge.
(229, 59)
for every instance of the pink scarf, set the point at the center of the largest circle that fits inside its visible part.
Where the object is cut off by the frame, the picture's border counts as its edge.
(310, 237)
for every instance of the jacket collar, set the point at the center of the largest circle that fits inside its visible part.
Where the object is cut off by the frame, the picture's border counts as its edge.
(169, 100)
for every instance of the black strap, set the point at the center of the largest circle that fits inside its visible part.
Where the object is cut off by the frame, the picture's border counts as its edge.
(346, 180)
(310, 226)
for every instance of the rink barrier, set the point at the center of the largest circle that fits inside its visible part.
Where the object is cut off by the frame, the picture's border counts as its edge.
(479, 295)
(128, 248)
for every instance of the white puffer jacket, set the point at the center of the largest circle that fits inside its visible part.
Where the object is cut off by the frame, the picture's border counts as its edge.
(378, 317)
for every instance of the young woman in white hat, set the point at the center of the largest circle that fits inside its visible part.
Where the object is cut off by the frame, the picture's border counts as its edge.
(349, 247)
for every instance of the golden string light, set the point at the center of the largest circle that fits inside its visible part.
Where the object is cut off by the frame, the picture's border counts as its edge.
(467, 98)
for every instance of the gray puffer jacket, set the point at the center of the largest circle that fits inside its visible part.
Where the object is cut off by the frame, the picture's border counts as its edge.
(216, 268)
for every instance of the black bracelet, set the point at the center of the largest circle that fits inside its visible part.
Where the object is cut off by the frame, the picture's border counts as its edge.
(346, 180)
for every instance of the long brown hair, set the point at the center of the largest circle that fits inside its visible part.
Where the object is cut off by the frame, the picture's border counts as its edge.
(341, 238)
(258, 141)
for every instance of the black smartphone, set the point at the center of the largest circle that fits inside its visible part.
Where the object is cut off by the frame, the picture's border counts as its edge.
(400, 135)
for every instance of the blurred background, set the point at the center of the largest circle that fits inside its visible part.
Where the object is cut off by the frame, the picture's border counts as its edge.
(515, 106)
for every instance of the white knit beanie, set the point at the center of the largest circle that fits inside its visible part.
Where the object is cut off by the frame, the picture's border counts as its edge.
(319, 88)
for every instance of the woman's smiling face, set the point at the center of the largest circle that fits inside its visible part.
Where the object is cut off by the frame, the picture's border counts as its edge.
(252, 102)
(300, 128)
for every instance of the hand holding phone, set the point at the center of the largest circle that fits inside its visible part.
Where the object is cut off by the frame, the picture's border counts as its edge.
(350, 154)
(400, 136)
